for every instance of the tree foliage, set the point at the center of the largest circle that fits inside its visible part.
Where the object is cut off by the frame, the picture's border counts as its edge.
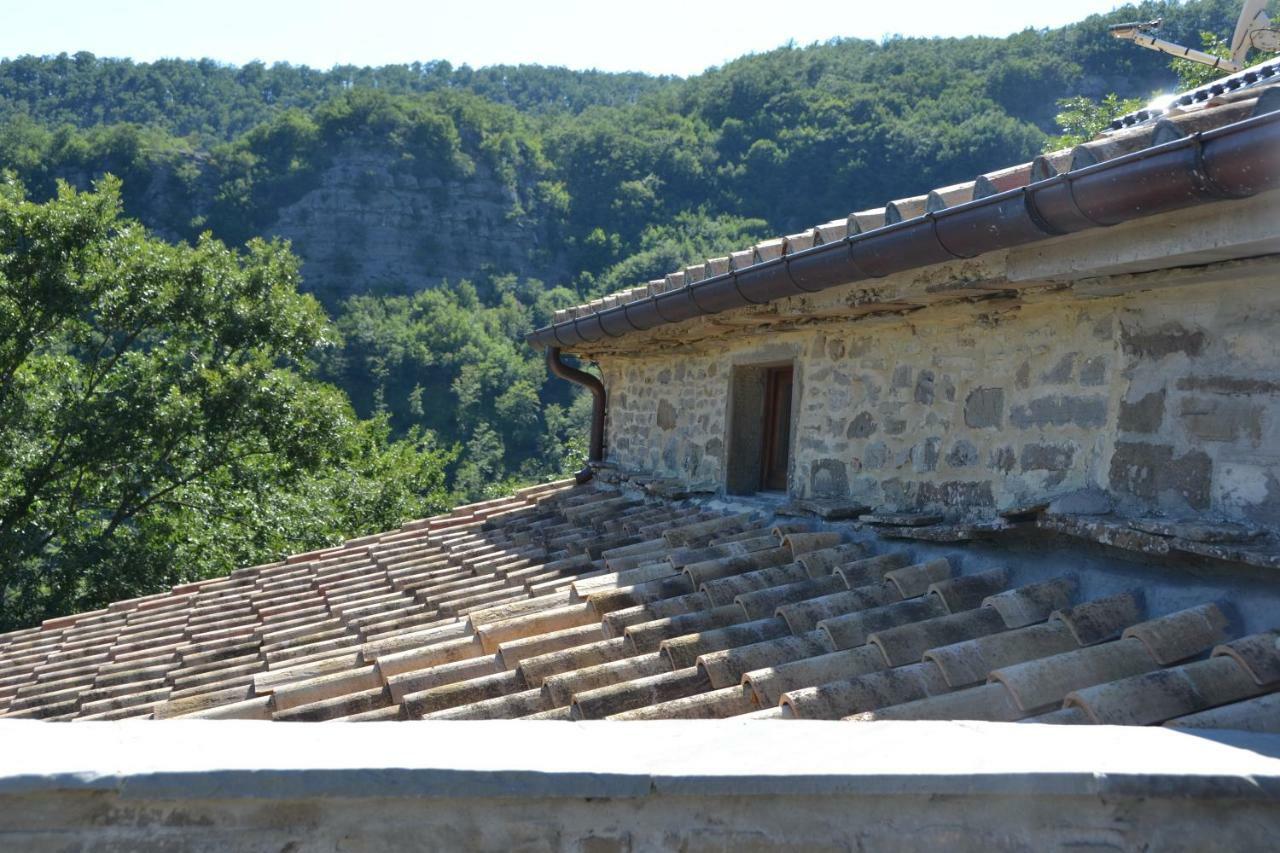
(1083, 118)
(159, 416)
(1192, 75)
(452, 360)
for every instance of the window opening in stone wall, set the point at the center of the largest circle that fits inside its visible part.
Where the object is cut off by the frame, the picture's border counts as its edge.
(760, 429)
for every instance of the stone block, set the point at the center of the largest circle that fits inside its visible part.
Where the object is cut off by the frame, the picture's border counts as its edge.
(1215, 419)
(1228, 385)
(924, 456)
(1196, 531)
(828, 478)
(984, 407)
(1003, 459)
(924, 388)
(1135, 467)
(830, 509)
(862, 426)
(666, 415)
(962, 454)
(1061, 410)
(1163, 340)
(1023, 376)
(1151, 471)
(875, 455)
(948, 389)
(957, 494)
(1047, 457)
(1062, 371)
(1094, 371)
(1144, 415)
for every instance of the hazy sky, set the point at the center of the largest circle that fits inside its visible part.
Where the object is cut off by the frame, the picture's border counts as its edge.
(658, 36)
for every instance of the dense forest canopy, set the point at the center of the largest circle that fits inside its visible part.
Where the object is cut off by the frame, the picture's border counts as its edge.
(160, 419)
(414, 393)
(791, 136)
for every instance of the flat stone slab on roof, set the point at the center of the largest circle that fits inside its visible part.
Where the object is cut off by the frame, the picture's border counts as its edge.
(183, 759)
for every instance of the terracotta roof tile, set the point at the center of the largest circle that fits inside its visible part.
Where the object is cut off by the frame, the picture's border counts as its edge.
(831, 232)
(559, 607)
(905, 208)
(1162, 695)
(1261, 714)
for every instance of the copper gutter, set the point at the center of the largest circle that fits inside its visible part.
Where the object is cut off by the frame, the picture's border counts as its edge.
(1233, 161)
(596, 387)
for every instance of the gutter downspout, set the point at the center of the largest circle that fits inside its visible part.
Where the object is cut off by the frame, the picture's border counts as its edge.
(596, 387)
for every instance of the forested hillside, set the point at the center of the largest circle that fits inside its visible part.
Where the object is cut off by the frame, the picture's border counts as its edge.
(440, 212)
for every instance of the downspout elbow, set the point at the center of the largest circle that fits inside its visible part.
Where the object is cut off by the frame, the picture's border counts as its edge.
(596, 387)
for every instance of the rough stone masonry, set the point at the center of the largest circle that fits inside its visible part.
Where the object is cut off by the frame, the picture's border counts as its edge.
(1159, 388)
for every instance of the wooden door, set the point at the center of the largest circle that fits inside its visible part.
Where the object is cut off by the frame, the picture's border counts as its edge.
(776, 447)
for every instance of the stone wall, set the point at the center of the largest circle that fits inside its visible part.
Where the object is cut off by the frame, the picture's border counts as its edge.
(1167, 399)
(667, 415)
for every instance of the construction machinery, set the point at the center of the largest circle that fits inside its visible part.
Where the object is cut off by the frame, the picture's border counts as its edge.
(1253, 32)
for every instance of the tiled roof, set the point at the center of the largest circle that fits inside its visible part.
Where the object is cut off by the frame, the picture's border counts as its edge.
(1251, 93)
(586, 603)
(1258, 74)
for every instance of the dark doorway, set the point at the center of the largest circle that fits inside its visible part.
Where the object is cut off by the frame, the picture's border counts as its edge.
(759, 435)
(776, 430)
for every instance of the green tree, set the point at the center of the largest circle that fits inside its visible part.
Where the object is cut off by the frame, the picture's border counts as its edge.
(158, 417)
(1192, 75)
(481, 474)
(1081, 119)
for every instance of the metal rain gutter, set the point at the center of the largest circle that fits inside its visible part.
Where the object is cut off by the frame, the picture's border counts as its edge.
(596, 387)
(1234, 161)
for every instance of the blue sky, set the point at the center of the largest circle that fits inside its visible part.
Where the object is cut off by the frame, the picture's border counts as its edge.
(657, 36)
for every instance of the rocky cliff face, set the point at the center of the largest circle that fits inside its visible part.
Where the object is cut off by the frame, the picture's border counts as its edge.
(372, 225)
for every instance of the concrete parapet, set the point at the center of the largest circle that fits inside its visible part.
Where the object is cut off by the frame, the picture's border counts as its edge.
(695, 785)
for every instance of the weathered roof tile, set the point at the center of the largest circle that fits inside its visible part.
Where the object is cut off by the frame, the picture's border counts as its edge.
(700, 614)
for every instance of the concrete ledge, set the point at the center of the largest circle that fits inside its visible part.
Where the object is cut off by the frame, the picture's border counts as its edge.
(242, 759)
(611, 787)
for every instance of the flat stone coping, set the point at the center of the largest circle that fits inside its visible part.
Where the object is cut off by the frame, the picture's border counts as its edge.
(534, 759)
